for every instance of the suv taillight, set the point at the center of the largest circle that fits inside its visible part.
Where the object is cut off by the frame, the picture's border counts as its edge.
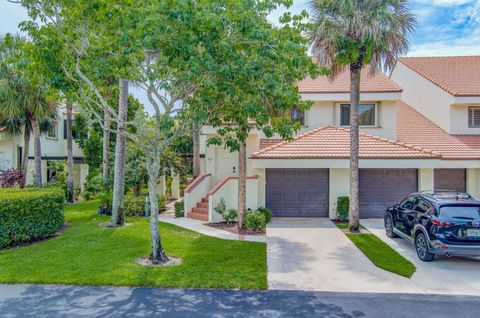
(439, 223)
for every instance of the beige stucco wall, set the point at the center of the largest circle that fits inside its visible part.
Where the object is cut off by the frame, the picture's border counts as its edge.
(8, 150)
(421, 94)
(459, 120)
(473, 182)
(339, 182)
(425, 179)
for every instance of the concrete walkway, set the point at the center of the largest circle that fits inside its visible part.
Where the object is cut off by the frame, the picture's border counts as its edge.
(444, 275)
(41, 301)
(313, 254)
(200, 227)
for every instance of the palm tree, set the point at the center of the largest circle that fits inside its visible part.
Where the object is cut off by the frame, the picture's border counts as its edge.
(19, 97)
(350, 34)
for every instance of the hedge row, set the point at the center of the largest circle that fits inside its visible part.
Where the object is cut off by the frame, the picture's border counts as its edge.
(29, 214)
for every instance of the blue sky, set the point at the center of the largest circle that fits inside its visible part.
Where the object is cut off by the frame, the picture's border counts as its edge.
(446, 27)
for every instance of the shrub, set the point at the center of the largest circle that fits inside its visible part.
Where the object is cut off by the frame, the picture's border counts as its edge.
(228, 215)
(162, 202)
(29, 214)
(134, 205)
(231, 215)
(343, 204)
(11, 178)
(105, 198)
(179, 209)
(255, 220)
(94, 185)
(266, 212)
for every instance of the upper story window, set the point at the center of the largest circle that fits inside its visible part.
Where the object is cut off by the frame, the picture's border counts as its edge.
(74, 133)
(297, 115)
(366, 112)
(52, 132)
(474, 117)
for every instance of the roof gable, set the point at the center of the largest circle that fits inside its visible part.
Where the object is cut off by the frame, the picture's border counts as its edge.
(331, 142)
(369, 83)
(457, 75)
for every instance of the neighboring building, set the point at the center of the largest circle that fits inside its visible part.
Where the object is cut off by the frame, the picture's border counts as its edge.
(54, 148)
(420, 130)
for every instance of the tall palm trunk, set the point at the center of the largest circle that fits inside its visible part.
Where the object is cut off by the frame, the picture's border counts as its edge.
(120, 154)
(242, 183)
(196, 149)
(354, 215)
(26, 153)
(37, 152)
(70, 189)
(106, 142)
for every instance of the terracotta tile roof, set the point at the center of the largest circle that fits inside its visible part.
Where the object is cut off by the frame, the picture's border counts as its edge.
(376, 83)
(458, 75)
(265, 143)
(330, 142)
(414, 128)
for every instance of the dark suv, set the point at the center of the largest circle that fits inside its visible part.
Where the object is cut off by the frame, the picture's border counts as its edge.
(437, 222)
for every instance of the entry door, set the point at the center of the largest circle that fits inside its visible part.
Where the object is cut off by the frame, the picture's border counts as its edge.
(226, 164)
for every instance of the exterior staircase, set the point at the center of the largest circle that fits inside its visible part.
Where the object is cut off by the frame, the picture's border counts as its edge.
(200, 212)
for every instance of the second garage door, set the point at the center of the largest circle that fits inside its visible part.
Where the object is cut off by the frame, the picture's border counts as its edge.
(381, 188)
(297, 192)
(450, 179)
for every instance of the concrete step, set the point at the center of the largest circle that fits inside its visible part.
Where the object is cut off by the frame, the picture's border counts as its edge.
(202, 205)
(205, 200)
(198, 216)
(200, 210)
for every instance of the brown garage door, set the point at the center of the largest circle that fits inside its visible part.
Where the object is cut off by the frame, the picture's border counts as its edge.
(297, 192)
(450, 179)
(381, 188)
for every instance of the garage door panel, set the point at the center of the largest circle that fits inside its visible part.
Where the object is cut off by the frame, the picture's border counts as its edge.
(450, 179)
(381, 188)
(297, 192)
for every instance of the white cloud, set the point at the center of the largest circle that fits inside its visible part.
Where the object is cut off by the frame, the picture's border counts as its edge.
(469, 45)
(11, 14)
(445, 3)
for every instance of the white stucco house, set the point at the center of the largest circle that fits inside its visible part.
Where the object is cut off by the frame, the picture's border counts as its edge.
(54, 148)
(420, 130)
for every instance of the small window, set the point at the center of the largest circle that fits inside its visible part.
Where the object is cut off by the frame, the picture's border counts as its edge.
(74, 133)
(366, 113)
(473, 117)
(52, 132)
(298, 115)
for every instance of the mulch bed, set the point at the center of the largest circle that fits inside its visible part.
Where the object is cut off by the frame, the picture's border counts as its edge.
(233, 228)
(64, 227)
(146, 261)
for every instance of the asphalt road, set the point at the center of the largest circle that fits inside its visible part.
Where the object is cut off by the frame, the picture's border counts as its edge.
(74, 301)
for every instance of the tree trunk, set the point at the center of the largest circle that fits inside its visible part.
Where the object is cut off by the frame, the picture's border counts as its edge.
(26, 153)
(196, 149)
(37, 151)
(158, 253)
(120, 154)
(242, 183)
(106, 143)
(70, 187)
(354, 215)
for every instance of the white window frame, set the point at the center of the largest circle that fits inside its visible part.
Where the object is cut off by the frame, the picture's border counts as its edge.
(375, 124)
(470, 123)
(55, 127)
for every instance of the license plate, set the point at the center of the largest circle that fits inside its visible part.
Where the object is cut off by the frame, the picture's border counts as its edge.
(473, 232)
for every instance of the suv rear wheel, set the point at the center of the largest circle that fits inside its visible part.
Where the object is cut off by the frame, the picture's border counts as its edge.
(389, 226)
(421, 246)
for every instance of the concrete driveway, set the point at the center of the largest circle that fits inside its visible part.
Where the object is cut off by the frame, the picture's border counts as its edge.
(444, 275)
(313, 254)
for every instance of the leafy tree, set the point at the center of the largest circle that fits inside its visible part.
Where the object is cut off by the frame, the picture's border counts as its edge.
(258, 79)
(22, 100)
(350, 35)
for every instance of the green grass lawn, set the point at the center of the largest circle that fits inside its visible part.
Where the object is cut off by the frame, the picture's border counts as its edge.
(344, 225)
(86, 254)
(382, 255)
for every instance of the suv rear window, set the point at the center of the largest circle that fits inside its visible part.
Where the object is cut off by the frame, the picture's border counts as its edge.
(471, 212)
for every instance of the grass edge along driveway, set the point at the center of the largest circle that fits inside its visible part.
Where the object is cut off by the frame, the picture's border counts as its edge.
(86, 254)
(380, 253)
